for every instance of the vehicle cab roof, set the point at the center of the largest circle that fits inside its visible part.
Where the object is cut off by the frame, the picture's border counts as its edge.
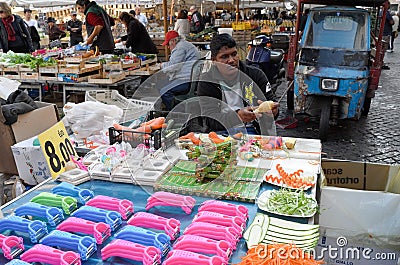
(367, 3)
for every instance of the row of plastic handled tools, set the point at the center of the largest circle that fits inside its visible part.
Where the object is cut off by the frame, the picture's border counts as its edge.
(210, 239)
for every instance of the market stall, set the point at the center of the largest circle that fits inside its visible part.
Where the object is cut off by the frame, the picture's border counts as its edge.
(195, 211)
(71, 70)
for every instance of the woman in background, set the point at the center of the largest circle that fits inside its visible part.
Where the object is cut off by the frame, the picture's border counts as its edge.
(138, 38)
(14, 34)
(98, 26)
(182, 25)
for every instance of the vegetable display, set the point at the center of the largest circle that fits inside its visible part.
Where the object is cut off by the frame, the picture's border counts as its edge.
(10, 58)
(274, 254)
(288, 202)
(293, 180)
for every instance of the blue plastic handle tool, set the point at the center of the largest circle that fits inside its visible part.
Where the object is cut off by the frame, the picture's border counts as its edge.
(17, 262)
(53, 215)
(67, 189)
(67, 203)
(145, 237)
(93, 214)
(36, 229)
(84, 245)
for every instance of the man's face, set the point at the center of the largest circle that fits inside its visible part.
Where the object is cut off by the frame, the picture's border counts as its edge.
(227, 61)
(137, 11)
(51, 24)
(28, 15)
(172, 44)
(73, 17)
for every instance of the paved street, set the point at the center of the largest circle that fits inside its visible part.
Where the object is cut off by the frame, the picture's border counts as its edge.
(375, 138)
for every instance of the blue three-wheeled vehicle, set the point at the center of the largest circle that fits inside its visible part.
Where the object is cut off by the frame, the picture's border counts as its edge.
(336, 61)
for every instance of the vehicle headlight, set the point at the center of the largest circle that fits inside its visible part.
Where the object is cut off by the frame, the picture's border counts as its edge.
(329, 84)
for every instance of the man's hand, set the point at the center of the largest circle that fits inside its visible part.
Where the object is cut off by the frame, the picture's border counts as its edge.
(247, 114)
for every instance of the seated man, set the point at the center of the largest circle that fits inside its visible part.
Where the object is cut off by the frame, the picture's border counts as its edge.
(178, 68)
(229, 91)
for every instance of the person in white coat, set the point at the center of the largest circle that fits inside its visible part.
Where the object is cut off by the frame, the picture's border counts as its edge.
(395, 27)
(182, 24)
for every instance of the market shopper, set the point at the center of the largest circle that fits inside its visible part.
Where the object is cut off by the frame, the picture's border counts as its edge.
(395, 27)
(196, 22)
(182, 24)
(138, 38)
(387, 34)
(98, 26)
(33, 28)
(55, 33)
(230, 90)
(14, 33)
(74, 26)
(142, 18)
(178, 68)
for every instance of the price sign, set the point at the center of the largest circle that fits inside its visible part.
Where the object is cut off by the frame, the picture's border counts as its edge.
(57, 148)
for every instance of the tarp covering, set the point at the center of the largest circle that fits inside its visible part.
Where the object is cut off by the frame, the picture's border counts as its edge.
(40, 3)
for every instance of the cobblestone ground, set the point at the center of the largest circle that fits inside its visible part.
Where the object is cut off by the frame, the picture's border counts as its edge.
(375, 138)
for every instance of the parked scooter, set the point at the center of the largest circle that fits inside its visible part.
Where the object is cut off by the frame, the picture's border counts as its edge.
(270, 61)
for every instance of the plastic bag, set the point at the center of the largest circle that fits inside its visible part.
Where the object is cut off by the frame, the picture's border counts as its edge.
(89, 118)
(7, 86)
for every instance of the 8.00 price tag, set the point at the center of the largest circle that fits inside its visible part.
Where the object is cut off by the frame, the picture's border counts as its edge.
(57, 148)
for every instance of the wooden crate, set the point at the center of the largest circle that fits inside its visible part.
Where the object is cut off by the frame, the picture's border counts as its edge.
(104, 79)
(244, 35)
(76, 59)
(10, 74)
(79, 77)
(26, 68)
(45, 76)
(29, 75)
(49, 69)
(13, 68)
(120, 66)
(144, 71)
(79, 68)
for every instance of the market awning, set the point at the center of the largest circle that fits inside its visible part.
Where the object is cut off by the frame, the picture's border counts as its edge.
(40, 3)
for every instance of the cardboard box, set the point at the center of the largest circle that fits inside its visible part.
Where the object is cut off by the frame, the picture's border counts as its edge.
(27, 126)
(360, 204)
(31, 163)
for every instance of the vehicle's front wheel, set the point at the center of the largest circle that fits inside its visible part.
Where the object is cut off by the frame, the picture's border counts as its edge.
(290, 96)
(366, 106)
(325, 103)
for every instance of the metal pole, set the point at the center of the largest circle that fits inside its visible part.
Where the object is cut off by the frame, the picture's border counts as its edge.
(165, 14)
(237, 11)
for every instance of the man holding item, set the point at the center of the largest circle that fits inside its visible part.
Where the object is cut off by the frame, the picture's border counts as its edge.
(230, 90)
(74, 26)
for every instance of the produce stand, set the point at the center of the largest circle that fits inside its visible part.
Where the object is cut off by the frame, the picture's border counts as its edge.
(139, 195)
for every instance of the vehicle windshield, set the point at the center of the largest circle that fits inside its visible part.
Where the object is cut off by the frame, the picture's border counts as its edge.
(338, 29)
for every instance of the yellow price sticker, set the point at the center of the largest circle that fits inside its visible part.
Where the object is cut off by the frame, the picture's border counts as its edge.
(57, 148)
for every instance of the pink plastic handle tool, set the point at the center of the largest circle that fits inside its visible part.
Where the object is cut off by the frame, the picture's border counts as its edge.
(129, 250)
(221, 219)
(179, 257)
(124, 207)
(225, 208)
(170, 226)
(45, 254)
(204, 245)
(212, 231)
(162, 198)
(100, 231)
(11, 246)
